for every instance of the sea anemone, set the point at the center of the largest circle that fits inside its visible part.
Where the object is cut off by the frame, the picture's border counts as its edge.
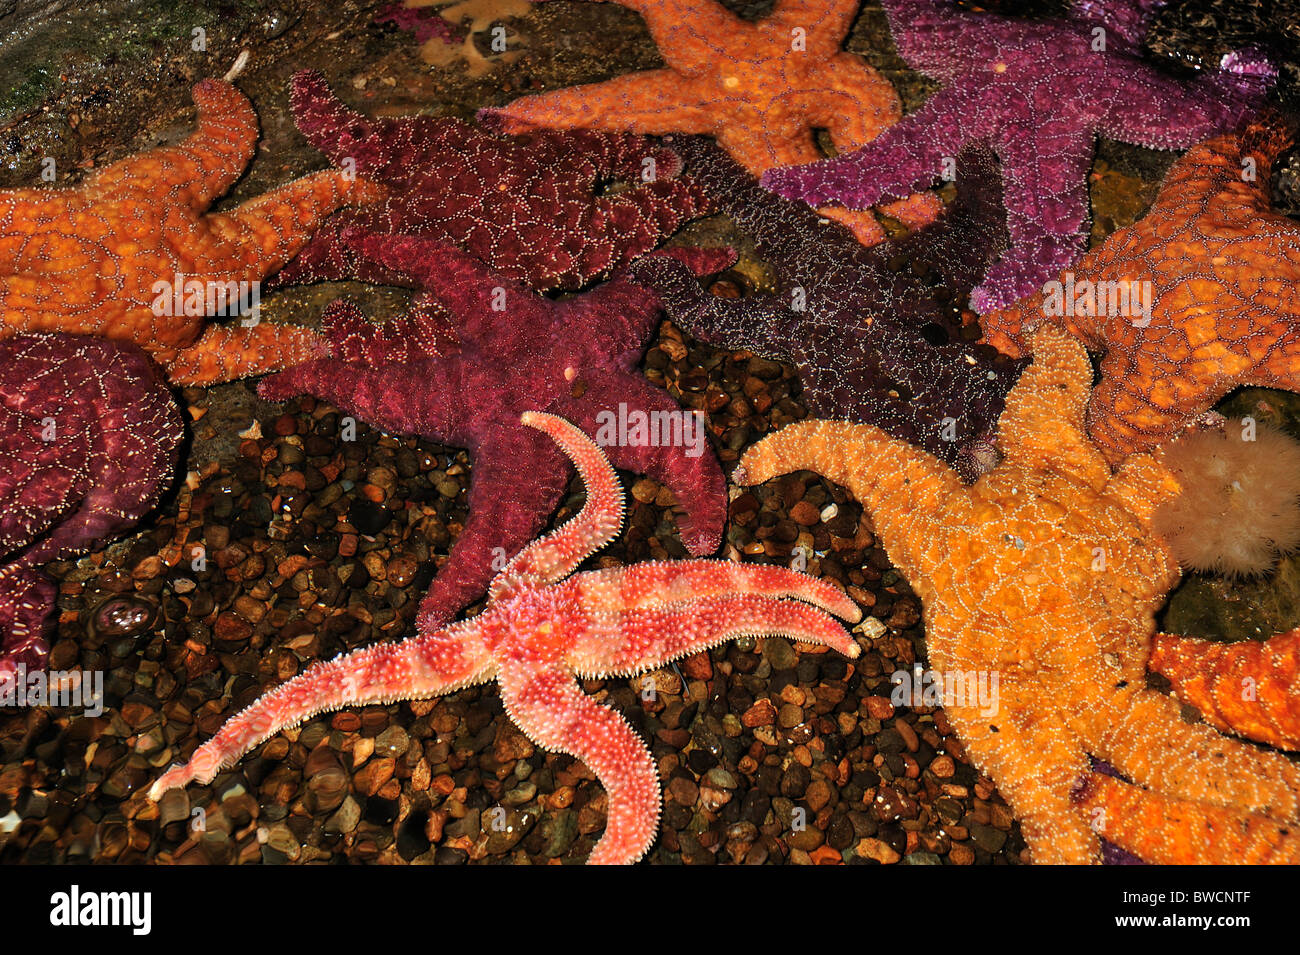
(1240, 504)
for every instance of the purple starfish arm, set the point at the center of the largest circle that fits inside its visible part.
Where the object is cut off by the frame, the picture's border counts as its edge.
(425, 407)
(88, 441)
(692, 475)
(517, 480)
(423, 332)
(1005, 80)
(870, 340)
(527, 205)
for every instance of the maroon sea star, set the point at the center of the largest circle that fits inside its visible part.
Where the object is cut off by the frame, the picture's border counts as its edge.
(527, 205)
(541, 633)
(88, 442)
(871, 341)
(1039, 91)
(516, 351)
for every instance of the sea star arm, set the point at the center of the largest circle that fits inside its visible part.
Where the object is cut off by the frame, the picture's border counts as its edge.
(633, 641)
(555, 555)
(230, 352)
(825, 22)
(893, 480)
(1165, 830)
(517, 478)
(657, 102)
(1247, 688)
(973, 229)
(680, 458)
(333, 127)
(904, 158)
(1143, 735)
(757, 325)
(550, 708)
(1042, 427)
(688, 33)
(1141, 485)
(934, 36)
(415, 669)
(1178, 113)
(1035, 763)
(658, 584)
(271, 229)
(476, 299)
(1126, 19)
(423, 332)
(205, 163)
(39, 484)
(1045, 183)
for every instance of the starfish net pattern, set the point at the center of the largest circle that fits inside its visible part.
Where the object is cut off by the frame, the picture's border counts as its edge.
(1005, 81)
(89, 437)
(1045, 571)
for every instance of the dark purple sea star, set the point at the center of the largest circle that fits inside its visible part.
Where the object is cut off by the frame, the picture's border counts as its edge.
(517, 352)
(525, 205)
(871, 341)
(1039, 92)
(88, 442)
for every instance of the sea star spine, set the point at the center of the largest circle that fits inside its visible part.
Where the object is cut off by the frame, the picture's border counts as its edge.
(535, 637)
(1247, 687)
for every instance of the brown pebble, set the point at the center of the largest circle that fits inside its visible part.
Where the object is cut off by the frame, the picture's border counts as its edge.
(762, 713)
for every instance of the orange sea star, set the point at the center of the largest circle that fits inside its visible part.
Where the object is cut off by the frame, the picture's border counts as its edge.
(1195, 299)
(1045, 572)
(761, 88)
(540, 633)
(119, 254)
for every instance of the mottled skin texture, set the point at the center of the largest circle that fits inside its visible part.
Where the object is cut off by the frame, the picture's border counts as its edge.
(1039, 93)
(541, 633)
(527, 206)
(88, 443)
(476, 352)
(870, 332)
(1247, 687)
(85, 259)
(1046, 572)
(748, 84)
(1223, 271)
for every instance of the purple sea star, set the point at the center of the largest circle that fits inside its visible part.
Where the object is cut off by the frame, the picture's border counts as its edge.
(1039, 92)
(526, 205)
(870, 340)
(476, 352)
(88, 443)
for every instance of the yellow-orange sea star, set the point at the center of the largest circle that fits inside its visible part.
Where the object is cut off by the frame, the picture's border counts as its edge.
(1045, 572)
(130, 254)
(761, 88)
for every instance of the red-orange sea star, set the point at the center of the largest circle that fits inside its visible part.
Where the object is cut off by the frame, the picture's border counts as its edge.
(1193, 300)
(119, 253)
(761, 88)
(541, 633)
(1045, 572)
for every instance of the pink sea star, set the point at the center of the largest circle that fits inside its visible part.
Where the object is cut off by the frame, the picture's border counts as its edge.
(526, 205)
(541, 633)
(1039, 91)
(477, 351)
(88, 442)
